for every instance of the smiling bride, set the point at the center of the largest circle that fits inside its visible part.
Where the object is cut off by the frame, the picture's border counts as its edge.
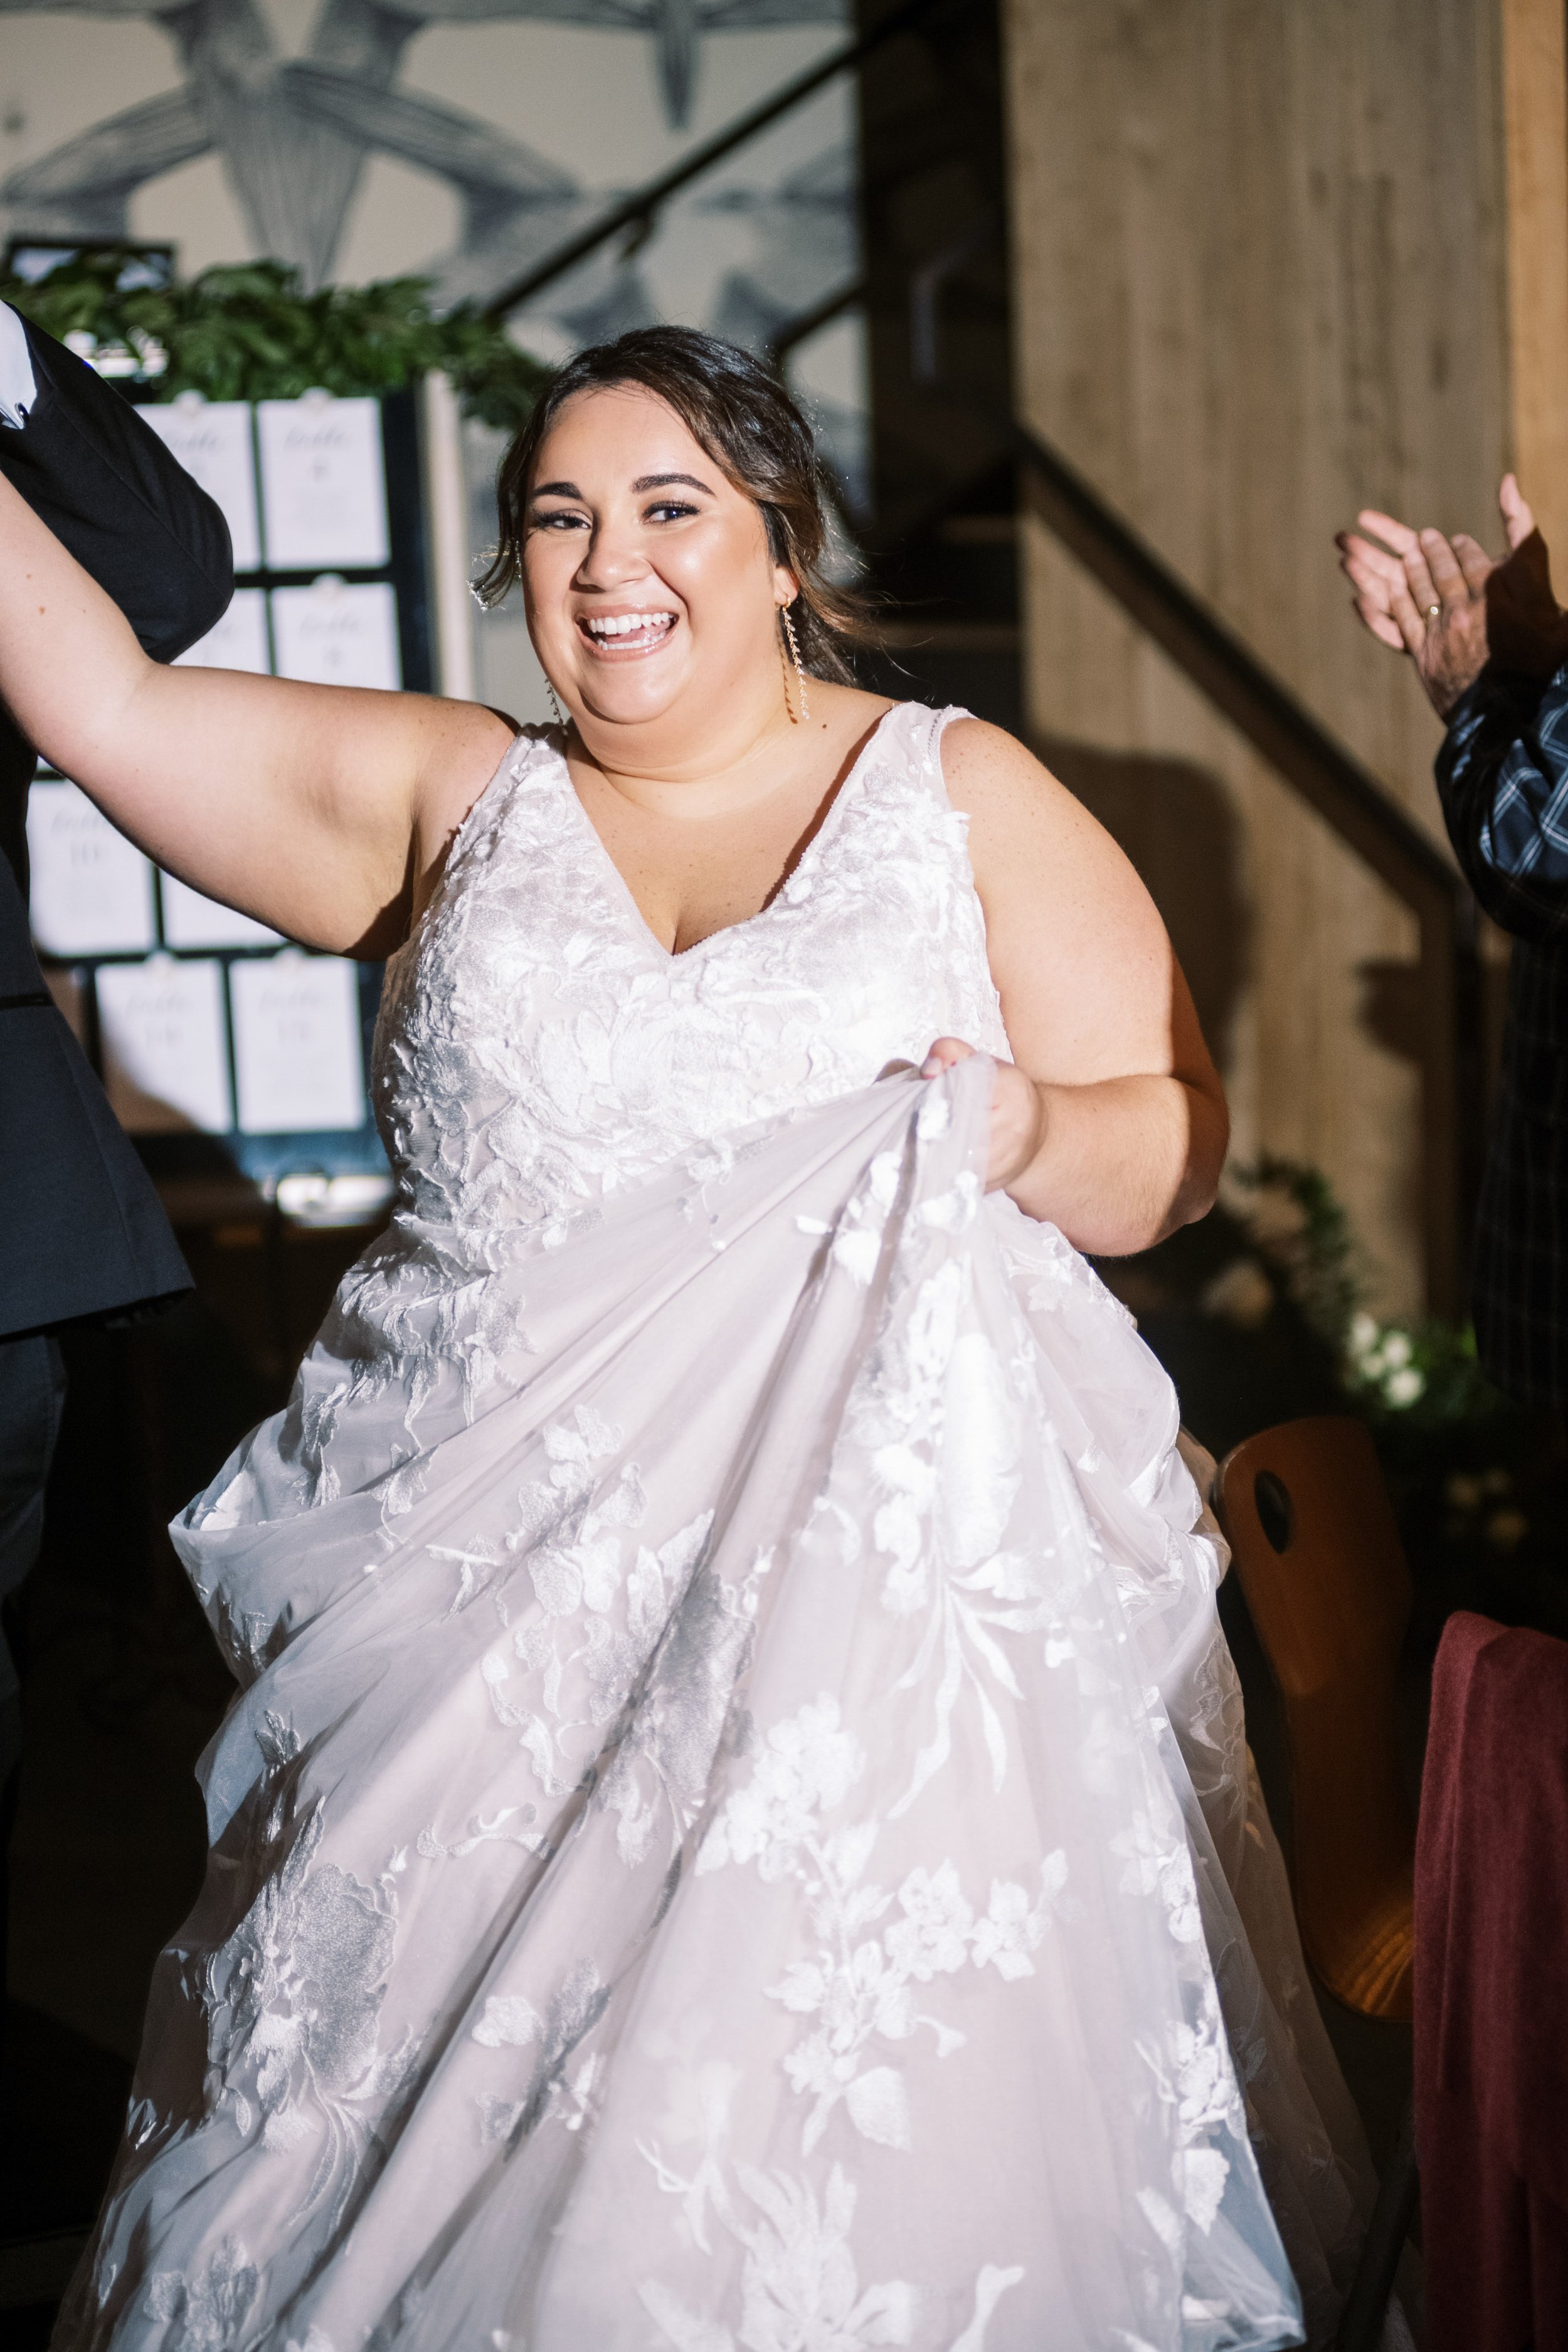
(735, 1830)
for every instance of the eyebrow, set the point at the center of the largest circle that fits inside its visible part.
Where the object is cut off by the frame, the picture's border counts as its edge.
(643, 482)
(663, 481)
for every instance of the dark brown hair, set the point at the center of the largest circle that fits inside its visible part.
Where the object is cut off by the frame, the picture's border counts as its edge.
(746, 421)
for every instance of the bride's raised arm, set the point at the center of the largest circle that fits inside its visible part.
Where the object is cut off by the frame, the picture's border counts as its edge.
(1113, 1126)
(319, 810)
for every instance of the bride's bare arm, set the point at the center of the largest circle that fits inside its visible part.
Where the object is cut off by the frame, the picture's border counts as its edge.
(321, 810)
(1113, 1125)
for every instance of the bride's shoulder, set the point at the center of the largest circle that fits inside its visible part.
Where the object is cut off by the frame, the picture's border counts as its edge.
(990, 775)
(467, 746)
(1030, 836)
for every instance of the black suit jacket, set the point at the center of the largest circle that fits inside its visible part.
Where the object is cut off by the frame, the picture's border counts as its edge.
(81, 1232)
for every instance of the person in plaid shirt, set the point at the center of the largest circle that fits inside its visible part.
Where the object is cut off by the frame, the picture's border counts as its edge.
(1490, 648)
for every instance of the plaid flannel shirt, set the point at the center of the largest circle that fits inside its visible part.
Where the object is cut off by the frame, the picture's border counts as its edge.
(1502, 777)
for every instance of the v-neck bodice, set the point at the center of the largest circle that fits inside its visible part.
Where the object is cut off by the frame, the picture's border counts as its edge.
(815, 847)
(539, 1047)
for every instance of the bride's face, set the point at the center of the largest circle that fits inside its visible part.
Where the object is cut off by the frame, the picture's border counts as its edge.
(645, 571)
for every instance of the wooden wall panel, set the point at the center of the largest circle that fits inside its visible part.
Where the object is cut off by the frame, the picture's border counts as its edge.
(1535, 113)
(1261, 279)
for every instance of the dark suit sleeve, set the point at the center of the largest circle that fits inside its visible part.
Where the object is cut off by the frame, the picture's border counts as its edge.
(1502, 778)
(84, 1236)
(132, 515)
(129, 512)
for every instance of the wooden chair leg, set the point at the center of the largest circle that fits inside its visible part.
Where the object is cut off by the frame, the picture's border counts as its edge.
(1361, 2322)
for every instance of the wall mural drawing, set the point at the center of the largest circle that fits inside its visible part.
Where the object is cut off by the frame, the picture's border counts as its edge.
(294, 133)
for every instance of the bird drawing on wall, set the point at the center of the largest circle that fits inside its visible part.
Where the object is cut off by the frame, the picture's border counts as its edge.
(294, 133)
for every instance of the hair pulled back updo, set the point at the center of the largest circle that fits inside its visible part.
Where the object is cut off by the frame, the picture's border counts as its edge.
(745, 420)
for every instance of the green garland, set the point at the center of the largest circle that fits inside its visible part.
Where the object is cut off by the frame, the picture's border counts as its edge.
(248, 332)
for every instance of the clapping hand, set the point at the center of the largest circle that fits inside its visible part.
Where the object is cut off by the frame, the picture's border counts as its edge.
(1450, 605)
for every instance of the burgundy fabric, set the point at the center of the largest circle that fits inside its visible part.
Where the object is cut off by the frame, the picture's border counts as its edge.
(1491, 1992)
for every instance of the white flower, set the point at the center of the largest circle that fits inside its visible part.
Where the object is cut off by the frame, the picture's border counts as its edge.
(1397, 1349)
(1168, 1868)
(1203, 2175)
(1010, 1931)
(954, 1211)
(806, 1766)
(879, 2108)
(804, 1987)
(508, 2023)
(859, 1252)
(1403, 1388)
(1363, 1335)
(932, 1937)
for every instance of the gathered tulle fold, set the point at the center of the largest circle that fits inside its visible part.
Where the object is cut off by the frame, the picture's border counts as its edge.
(735, 1833)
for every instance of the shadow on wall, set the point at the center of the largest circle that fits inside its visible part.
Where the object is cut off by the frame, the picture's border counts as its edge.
(1176, 823)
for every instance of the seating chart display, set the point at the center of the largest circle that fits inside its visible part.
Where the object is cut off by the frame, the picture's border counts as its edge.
(323, 484)
(166, 1058)
(204, 1022)
(240, 640)
(192, 921)
(91, 888)
(215, 440)
(297, 1059)
(334, 635)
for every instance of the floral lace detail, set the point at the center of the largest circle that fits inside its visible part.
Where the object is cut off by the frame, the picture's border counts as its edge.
(705, 1850)
(205, 2310)
(294, 1997)
(604, 1603)
(800, 2289)
(510, 2022)
(859, 1985)
(537, 1047)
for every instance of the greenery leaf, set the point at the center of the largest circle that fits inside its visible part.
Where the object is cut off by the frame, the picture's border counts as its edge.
(248, 332)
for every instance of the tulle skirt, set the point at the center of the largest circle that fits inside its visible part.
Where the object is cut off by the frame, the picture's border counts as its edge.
(736, 1831)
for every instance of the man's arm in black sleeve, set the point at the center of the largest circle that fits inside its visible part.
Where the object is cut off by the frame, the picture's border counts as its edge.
(105, 484)
(1502, 778)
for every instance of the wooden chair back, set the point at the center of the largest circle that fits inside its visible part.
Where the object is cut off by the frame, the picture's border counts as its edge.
(1314, 1544)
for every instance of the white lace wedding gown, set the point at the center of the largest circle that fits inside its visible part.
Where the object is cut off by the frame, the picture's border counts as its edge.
(736, 1831)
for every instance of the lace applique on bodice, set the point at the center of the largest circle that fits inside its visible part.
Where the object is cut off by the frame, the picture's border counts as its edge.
(537, 1047)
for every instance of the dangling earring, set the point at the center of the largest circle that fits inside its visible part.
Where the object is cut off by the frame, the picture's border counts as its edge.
(805, 712)
(555, 704)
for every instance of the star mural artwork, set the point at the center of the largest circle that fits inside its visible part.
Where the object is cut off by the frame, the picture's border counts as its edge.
(294, 134)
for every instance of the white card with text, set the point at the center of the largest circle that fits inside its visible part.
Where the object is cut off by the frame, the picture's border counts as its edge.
(191, 921)
(334, 635)
(212, 440)
(296, 1058)
(323, 487)
(92, 889)
(165, 1054)
(240, 640)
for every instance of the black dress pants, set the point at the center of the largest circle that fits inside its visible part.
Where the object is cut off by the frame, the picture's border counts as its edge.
(32, 1392)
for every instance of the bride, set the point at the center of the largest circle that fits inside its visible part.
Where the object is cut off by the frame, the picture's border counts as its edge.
(735, 1828)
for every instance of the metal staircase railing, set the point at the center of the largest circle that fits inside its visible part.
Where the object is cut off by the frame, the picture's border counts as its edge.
(635, 213)
(1320, 770)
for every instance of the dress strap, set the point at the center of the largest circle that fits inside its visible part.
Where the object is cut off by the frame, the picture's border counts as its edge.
(937, 723)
